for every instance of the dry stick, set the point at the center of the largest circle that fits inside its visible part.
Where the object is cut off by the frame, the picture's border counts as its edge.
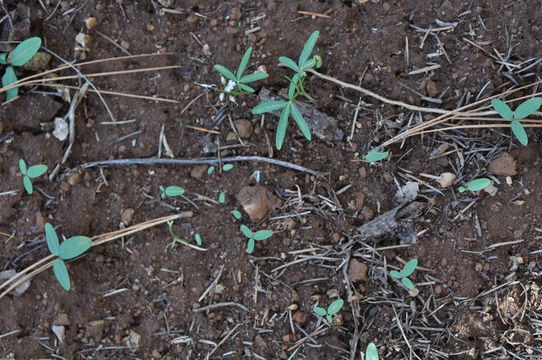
(117, 93)
(222, 341)
(98, 240)
(204, 161)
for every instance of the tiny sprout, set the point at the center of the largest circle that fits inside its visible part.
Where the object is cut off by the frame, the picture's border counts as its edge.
(476, 185)
(30, 173)
(254, 236)
(170, 191)
(236, 214)
(371, 353)
(403, 275)
(22, 54)
(526, 108)
(227, 167)
(332, 309)
(210, 170)
(197, 239)
(69, 249)
(375, 156)
(222, 197)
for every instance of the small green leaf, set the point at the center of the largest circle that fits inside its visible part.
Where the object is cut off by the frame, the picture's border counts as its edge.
(371, 353)
(210, 170)
(8, 79)
(52, 239)
(408, 283)
(74, 247)
(36, 170)
(335, 306)
(262, 235)
(396, 274)
(519, 132)
(462, 189)
(22, 166)
(268, 106)
(528, 107)
(309, 64)
(309, 46)
(409, 267)
(301, 123)
(28, 185)
(228, 74)
(375, 156)
(293, 86)
(222, 198)
(502, 109)
(61, 273)
(244, 62)
(478, 184)
(173, 191)
(319, 311)
(246, 88)
(253, 77)
(286, 61)
(281, 128)
(227, 167)
(329, 318)
(3, 58)
(250, 246)
(197, 239)
(24, 51)
(246, 231)
(318, 60)
(236, 214)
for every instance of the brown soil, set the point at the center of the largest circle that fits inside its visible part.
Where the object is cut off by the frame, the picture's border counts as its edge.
(476, 300)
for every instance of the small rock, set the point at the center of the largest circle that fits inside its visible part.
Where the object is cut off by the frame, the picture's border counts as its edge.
(491, 190)
(300, 317)
(210, 147)
(503, 165)
(359, 201)
(19, 290)
(127, 215)
(446, 179)
(39, 62)
(61, 129)
(199, 171)
(236, 13)
(257, 201)
(74, 179)
(166, 3)
(357, 270)
(62, 320)
(91, 22)
(244, 128)
(60, 332)
(367, 213)
(133, 340)
(125, 44)
(432, 88)
(387, 177)
(206, 50)
(231, 136)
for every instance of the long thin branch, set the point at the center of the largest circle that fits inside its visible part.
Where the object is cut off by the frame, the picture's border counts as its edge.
(203, 161)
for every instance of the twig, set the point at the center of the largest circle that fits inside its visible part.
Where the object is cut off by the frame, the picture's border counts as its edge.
(222, 341)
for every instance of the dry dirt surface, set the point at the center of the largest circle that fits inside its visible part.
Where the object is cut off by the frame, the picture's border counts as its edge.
(147, 296)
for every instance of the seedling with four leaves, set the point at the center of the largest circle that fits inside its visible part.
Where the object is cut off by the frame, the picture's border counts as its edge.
(295, 89)
(526, 108)
(332, 309)
(254, 236)
(22, 54)
(403, 275)
(69, 249)
(475, 185)
(30, 173)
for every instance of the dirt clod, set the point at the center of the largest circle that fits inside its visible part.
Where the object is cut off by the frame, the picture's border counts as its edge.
(357, 270)
(244, 128)
(257, 201)
(367, 213)
(300, 317)
(62, 320)
(199, 171)
(503, 165)
(127, 215)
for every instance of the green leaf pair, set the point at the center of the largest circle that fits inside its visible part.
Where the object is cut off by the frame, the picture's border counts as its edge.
(476, 185)
(69, 249)
(30, 173)
(254, 236)
(22, 54)
(375, 156)
(238, 78)
(403, 275)
(332, 309)
(526, 108)
(295, 89)
(171, 191)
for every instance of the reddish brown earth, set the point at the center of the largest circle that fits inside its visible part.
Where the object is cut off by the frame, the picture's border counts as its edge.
(476, 300)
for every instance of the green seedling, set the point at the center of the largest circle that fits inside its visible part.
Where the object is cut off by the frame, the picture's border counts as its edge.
(222, 197)
(22, 54)
(69, 249)
(197, 239)
(171, 191)
(210, 170)
(375, 156)
(30, 173)
(254, 236)
(476, 185)
(371, 353)
(227, 167)
(236, 214)
(332, 309)
(238, 79)
(295, 89)
(526, 108)
(403, 275)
